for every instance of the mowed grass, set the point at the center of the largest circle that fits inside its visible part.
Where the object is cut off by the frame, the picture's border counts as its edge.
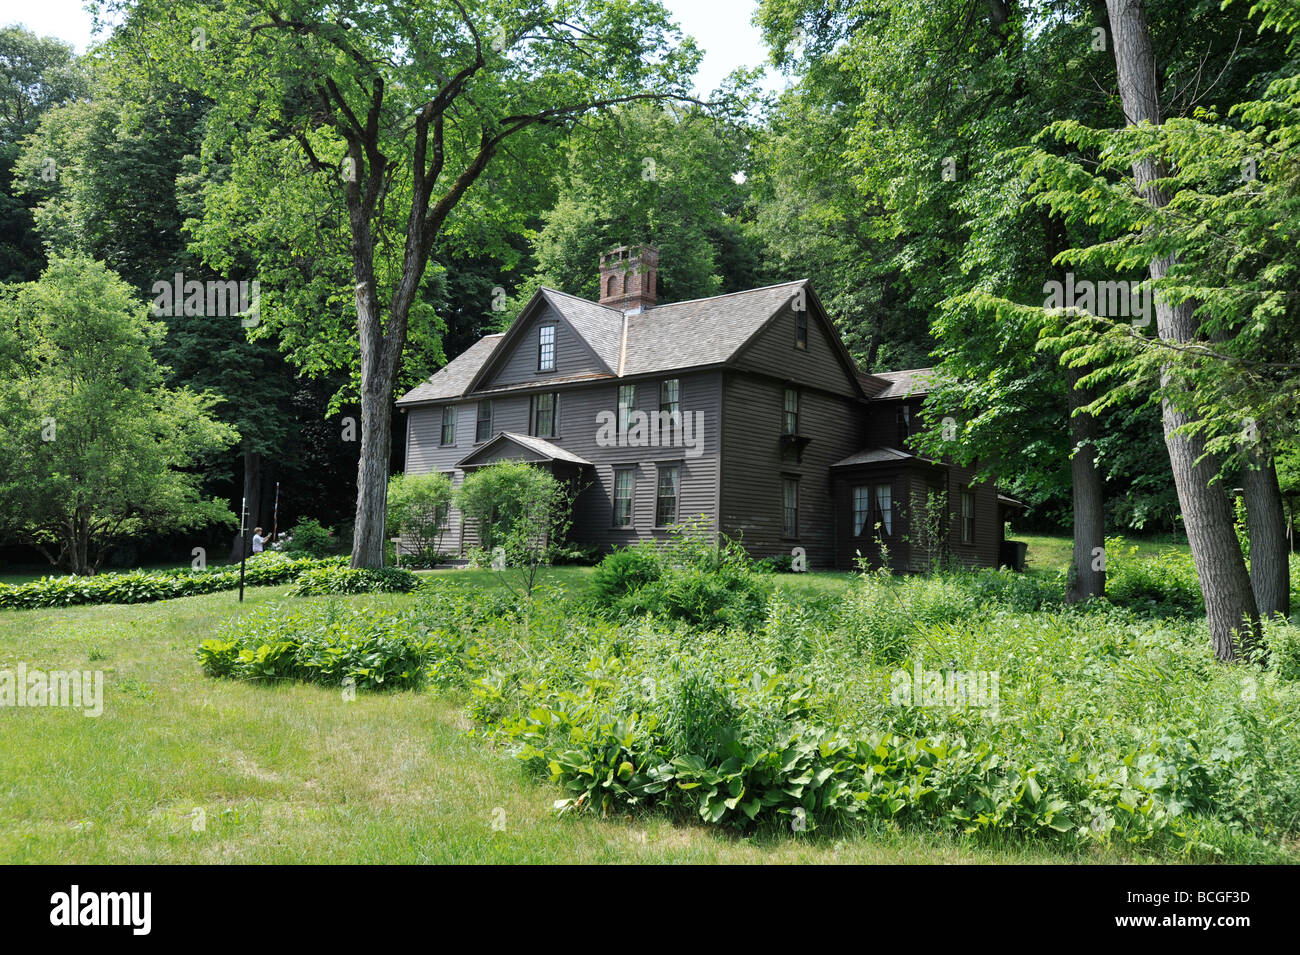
(181, 768)
(297, 774)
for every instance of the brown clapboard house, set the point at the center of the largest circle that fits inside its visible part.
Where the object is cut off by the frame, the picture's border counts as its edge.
(744, 409)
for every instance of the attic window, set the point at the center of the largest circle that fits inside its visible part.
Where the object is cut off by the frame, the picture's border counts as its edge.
(801, 329)
(546, 348)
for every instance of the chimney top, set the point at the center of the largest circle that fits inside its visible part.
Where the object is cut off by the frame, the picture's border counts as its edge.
(628, 275)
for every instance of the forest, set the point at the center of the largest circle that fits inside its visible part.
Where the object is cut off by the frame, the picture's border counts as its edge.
(1083, 214)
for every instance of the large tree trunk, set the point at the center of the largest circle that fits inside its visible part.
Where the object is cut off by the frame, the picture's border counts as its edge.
(372, 474)
(1229, 602)
(1087, 574)
(1266, 525)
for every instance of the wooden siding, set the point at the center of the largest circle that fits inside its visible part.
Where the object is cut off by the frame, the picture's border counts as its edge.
(578, 409)
(753, 465)
(773, 352)
(573, 356)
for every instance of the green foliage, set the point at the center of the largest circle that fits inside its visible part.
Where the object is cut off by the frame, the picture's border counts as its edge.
(1161, 583)
(330, 644)
(1104, 727)
(626, 570)
(311, 538)
(523, 515)
(347, 580)
(146, 586)
(692, 581)
(418, 509)
(99, 450)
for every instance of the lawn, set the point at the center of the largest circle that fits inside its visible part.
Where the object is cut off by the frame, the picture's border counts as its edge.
(182, 768)
(296, 774)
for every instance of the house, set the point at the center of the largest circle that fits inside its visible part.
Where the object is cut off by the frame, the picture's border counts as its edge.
(745, 409)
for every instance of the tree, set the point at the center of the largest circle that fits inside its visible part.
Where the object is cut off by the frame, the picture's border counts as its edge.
(1219, 349)
(36, 74)
(522, 514)
(99, 449)
(385, 141)
(650, 172)
(418, 508)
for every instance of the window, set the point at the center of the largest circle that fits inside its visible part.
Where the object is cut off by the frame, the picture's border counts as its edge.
(483, 427)
(790, 423)
(885, 506)
(627, 284)
(670, 409)
(790, 506)
(545, 415)
(449, 425)
(967, 517)
(546, 348)
(861, 509)
(801, 329)
(624, 492)
(873, 505)
(626, 402)
(666, 501)
(904, 425)
(610, 290)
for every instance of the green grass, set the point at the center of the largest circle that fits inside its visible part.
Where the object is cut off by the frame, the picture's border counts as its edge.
(295, 773)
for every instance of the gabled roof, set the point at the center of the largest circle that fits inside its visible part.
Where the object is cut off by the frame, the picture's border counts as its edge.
(879, 455)
(703, 331)
(903, 384)
(600, 326)
(541, 450)
(451, 380)
(673, 337)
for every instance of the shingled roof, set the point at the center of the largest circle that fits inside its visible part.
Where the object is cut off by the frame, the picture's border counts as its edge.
(451, 380)
(600, 326)
(671, 337)
(703, 331)
(902, 384)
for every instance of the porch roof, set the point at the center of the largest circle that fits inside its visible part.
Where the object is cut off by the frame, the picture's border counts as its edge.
(879, 455)
(530, 448)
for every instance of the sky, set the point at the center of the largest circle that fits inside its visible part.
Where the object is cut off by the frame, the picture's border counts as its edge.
(721, 27)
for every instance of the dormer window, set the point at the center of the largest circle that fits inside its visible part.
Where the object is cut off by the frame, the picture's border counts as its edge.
(546, 348)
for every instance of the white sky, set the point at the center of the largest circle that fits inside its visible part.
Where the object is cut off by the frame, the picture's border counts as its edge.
(721, 27)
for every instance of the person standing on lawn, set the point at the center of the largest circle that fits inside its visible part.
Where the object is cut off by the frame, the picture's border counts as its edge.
(258, 541)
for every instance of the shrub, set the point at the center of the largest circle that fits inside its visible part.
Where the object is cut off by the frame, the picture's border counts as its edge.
(327, 643)
(1162, 582)
(147, 586)
(345, 580)
(626, 570)
(418, 508)
(310, 538)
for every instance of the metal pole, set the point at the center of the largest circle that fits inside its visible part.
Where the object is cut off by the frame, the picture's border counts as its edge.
(243, 545)
(275, 515)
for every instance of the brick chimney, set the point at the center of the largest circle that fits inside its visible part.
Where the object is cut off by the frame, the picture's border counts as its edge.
(627, 277)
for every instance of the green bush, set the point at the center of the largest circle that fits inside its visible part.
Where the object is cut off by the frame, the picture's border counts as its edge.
(1163, 583)
(345, 580)
(147, 586)
(689, 578)
(330, 644)
(311, 539)
(625, 570)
